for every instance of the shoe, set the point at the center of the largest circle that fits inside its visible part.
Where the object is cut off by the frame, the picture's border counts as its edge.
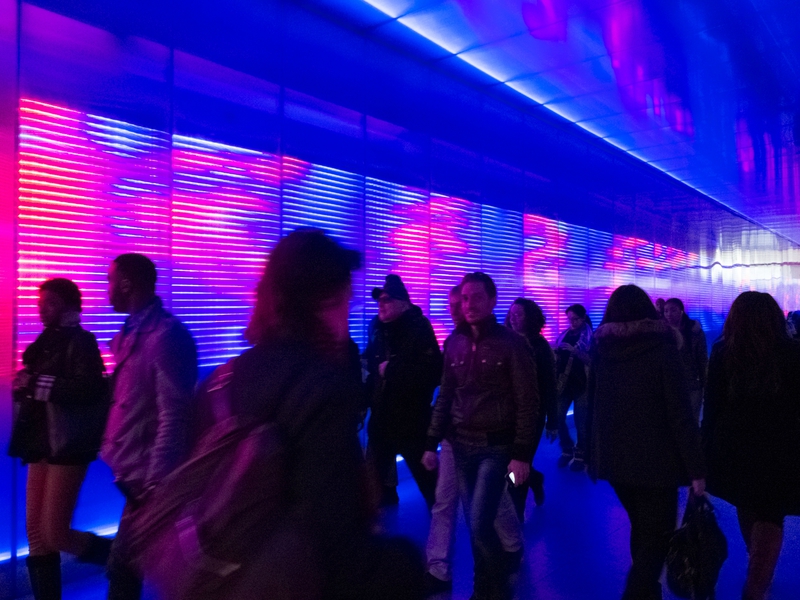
(564, 459)
(389, 497)
(433, 585)
(577, 463)
(537, 487)
(45, 573)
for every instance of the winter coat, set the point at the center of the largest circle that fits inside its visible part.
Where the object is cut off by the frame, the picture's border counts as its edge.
(401, 399)
(694, 354)
(752, 436)
(67, 369)
(642, 431)
(489, 393)
(546, 378)
(152, 398)
(575, 384)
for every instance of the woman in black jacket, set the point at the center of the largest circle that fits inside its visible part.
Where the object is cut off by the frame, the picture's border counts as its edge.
(751, 427)
(61, 367)
(526, 318)
(644, 440)
(694, 350)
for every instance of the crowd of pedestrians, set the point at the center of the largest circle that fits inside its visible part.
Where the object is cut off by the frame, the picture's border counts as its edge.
(652, 413)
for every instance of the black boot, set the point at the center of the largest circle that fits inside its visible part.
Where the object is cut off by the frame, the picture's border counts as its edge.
(45, 574)
(97, 551)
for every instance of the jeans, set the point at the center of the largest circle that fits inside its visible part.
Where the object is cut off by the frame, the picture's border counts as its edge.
(653, 513)
(580, 414)
(125, 583)
(481, 474)
(441, 537)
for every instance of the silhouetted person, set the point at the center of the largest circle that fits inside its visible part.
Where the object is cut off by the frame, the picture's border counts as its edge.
(693, 349)
(526, 318)
(644, 440)
(152, 397)
(62, 367)
(751, 429)
(572, 362)
(486, 408)
(405, 366)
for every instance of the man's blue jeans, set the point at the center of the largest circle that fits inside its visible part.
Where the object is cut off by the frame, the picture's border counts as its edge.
(481, 472)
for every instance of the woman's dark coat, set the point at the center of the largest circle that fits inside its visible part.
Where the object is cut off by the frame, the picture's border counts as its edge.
(642, 430)
(751, 435)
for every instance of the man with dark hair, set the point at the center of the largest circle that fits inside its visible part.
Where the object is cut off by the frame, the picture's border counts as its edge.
(152, 389)
(405, 365)
(486, 408)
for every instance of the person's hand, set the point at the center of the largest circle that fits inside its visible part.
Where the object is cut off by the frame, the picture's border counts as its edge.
(551, 435)
(567, 347)
(699, 487)
(382, 368)
(430, 460)
(22, 379)
(521, 471)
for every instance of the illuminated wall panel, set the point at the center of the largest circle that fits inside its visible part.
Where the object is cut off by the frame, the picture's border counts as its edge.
(225, 218)
(501, 254)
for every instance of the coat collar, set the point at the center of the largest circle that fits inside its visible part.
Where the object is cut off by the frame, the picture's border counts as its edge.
(143, 321)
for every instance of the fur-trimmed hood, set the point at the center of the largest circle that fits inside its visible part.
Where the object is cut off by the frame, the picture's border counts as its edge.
(624, 340)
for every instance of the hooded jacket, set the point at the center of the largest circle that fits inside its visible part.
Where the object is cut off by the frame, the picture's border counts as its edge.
(489, 394)
(401, 400)
(152, 398)
(642, 431)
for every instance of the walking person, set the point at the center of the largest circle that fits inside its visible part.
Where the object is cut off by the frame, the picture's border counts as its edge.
(526, 318)
(62, 374)
(152, 397)
(644, 440)
(693, 349)
(486, 408)
(751, 424)
(572, 364)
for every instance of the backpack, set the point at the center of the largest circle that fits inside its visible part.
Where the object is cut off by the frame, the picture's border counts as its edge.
(194, 532)
(697, 551)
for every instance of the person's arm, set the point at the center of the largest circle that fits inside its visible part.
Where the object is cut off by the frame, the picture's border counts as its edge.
(679, 414)
(525, 395)
(716, 391)
(701, 355)
(175, 363)
(440, 419)
(548, 388)
(584, 345)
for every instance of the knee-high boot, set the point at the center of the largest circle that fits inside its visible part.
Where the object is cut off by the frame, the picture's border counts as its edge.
(45, 574)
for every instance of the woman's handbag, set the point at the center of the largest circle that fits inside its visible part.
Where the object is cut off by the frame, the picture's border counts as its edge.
(697, 551)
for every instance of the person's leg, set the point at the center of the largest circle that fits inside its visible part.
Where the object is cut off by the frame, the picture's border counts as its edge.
(507, 524)
(764, 539)
(581, 410)
(60, 498)
(442, 535)
(44, 561)
(564, 437)
(382, 458)
(412, 452)
(124, 582)
(653, 514)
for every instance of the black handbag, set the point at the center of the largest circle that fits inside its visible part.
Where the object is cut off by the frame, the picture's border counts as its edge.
(697, 551)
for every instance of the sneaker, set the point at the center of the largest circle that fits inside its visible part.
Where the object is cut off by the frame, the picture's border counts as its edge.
(577, 463)
(433, 585)
(564, 459)
(537, 487)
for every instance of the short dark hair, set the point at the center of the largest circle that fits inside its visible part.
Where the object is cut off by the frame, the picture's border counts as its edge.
(139, 270)
(677, 302)
(456, 289)
(64, 289)
(629, 303)
(480, 277)
(578, 309)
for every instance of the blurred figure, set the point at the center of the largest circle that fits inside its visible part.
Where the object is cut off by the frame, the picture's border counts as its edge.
(152, 387)
(62, 368)
(298, 376)
(751, 428)
(405, 365)
(694, 350)
(644, 440)
(486, 408)
(441, 538)
(527, 319)
(572, 363)
(793, 324)
(660, 305)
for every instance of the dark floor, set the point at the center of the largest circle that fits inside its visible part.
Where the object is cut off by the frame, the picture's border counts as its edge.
(576, 544)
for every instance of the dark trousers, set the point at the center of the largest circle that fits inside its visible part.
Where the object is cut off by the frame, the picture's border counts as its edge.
(383, 453)
(653, 513)
(481, 481)
(519, 494)
(125, 583)
(580, 414)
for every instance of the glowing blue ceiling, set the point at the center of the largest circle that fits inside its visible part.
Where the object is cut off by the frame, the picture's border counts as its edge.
(707, 91)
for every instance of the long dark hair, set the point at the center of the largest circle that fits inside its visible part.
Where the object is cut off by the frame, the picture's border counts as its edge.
(629, 303)
(754, 334)
(306, 270)
(580, 310)
(534, 318)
